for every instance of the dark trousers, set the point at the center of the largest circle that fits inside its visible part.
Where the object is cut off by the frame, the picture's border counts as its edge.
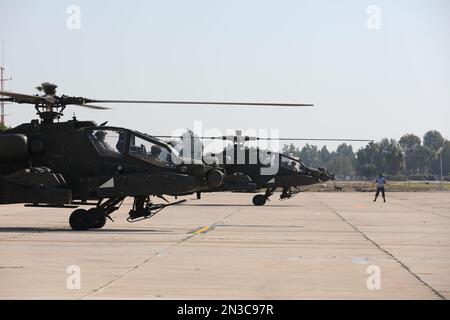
(378, 192)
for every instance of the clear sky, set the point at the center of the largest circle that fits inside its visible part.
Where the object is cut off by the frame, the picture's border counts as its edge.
(365, 83)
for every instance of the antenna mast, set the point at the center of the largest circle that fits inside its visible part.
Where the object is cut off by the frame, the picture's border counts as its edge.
(2, 81)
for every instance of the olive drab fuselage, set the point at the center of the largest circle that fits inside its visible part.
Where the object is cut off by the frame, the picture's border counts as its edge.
(64, 160)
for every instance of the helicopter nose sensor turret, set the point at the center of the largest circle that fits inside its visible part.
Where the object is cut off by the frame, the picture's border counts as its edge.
(215, 178)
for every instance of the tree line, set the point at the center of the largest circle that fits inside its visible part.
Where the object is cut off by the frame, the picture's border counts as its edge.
(408, 158)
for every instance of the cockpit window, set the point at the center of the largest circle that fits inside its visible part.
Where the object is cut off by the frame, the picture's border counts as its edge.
(267, 158)
(108, 142)
(149, 151)
(291, 164)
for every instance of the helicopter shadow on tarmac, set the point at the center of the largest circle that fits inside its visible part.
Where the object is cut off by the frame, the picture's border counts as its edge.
(235, 205)
(97, 231)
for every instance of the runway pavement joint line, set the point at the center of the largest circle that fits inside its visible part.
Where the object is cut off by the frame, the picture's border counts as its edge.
(437, 293)
(159, 253)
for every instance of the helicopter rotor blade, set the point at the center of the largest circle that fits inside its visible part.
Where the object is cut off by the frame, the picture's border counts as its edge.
(247, 138)
(90, 106)
(22, 98)
(317, 139)
(66, 100)
(264, 104)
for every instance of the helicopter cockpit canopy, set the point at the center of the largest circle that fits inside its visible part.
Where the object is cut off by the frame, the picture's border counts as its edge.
(291, 164)
(111, 143)
(153, 151)
(108, 142)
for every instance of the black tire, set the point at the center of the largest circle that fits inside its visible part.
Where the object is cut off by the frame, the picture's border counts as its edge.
(80, 220)
(259, 200)
(100, 223)
(98, 219)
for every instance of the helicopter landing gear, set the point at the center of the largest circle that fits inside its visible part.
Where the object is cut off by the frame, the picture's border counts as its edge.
(260, 199)
(286, 194)
(289, 193)
(100, 223)
(94, 218)
(80, 220)
(143, 208)
(98, 218)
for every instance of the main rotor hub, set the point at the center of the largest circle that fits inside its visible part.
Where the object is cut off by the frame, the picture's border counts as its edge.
(52, 107)
(48, 88)
(48, 113)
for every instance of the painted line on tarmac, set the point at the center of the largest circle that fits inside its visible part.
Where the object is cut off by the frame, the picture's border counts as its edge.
(202, 230)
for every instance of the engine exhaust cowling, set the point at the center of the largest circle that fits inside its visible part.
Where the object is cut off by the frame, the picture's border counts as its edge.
(13, 147)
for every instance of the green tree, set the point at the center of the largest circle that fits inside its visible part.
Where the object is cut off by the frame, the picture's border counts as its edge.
(364, 162)
(342, 160)
(385, 156)
(324, 156)
(409, 142)
(3, 127)
(310, 155)
(345, 150)
(433, 140)
(290, 149)
(413, 152)
(388, 156)
(368, 170)
(391, 155)
(446, 159)
(423, 159)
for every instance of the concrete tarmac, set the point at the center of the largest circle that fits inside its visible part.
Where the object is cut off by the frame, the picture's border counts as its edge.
(314, 246)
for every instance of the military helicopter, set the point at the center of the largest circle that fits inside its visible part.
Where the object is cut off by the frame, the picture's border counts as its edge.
(66, 164)
(251, 169)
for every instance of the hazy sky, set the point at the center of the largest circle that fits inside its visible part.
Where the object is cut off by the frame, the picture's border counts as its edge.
(365, 83)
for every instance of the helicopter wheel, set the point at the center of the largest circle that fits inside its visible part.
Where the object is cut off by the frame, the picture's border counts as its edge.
(99, 220)
(259, 200)
(100, 223)
(80, 220)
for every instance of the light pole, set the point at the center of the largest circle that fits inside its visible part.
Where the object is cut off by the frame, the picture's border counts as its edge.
(440, 152)
(2, 81)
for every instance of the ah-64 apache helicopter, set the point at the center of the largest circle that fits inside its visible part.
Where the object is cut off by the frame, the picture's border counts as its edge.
(68, 163)
(251, 169)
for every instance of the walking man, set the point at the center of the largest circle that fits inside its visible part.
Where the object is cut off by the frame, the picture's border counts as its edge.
(380, 187)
